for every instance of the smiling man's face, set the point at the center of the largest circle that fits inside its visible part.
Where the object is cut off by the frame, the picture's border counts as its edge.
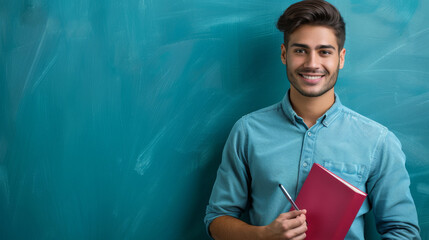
(312, 60)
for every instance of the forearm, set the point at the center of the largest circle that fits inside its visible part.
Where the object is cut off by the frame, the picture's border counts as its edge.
(230, 228)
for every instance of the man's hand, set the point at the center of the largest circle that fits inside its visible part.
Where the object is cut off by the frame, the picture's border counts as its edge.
(290, 225)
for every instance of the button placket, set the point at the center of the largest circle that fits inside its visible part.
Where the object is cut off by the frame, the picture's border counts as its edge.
(306, 156)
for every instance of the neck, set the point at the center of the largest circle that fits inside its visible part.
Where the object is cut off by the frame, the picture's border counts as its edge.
(311, 108)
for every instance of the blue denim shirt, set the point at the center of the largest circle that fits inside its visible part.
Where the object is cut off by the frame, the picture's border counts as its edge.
(274, 145)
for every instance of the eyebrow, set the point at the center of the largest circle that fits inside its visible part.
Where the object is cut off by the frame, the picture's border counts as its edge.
(317, 47)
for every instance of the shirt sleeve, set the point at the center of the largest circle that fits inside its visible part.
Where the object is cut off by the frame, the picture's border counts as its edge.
(230, 191)
(389, 191)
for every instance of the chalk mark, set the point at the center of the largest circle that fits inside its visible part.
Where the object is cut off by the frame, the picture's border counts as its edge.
(398, 47)
(397, 70)
(44, 73)
(145, 157)
(36, 57)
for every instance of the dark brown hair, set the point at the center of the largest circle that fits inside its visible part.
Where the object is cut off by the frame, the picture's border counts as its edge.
(312, 12)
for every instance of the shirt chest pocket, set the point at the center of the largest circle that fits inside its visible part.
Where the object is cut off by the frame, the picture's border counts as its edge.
(355, 174)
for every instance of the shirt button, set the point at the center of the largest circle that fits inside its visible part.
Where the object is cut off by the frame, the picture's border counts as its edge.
(304, 164)
(309, 134)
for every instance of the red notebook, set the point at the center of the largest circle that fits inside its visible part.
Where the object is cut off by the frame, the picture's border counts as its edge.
(331, 203)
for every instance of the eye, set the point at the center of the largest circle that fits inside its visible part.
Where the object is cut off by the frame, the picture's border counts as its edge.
(300, 51)
(325, 52)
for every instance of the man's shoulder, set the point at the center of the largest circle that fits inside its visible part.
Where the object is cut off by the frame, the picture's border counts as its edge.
(263, 120)
(264, 114)
(362, 121)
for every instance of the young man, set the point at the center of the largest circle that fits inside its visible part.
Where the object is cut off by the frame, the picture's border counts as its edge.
(280, 143)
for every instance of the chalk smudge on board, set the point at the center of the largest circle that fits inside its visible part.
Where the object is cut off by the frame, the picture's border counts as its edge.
(145, 158)
(36, 57)
(423, 188)
(414, 36)
(45, 71)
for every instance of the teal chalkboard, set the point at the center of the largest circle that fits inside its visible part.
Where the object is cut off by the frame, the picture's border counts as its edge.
(113, 114)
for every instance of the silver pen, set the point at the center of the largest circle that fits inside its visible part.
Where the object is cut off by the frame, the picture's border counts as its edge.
(288, 197)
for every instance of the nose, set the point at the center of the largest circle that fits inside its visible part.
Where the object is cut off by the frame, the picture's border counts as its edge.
(312, 61)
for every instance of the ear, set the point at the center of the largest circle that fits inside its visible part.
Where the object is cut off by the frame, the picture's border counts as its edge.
(283, 56)
(342, 57)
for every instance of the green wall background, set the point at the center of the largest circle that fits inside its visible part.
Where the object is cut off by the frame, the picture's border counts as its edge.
(113, 114)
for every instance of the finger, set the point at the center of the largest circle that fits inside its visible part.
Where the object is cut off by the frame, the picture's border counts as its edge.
(299, 232)
(292, 214)
(292, 224)
(299, 237)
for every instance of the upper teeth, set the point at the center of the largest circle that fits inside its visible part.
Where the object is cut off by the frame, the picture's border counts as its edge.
(311, 77)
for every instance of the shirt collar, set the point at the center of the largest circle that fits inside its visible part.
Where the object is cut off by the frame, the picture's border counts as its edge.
(326, 119)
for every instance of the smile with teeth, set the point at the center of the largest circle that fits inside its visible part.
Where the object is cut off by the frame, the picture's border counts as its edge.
(311, 77)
